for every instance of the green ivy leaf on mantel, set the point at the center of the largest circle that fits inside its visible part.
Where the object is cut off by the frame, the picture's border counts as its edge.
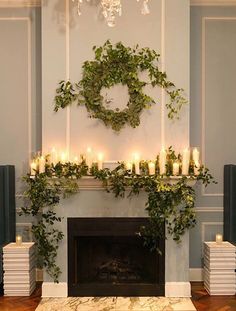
(169, 204)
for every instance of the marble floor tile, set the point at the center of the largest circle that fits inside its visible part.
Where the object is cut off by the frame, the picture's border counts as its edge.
(116, 304)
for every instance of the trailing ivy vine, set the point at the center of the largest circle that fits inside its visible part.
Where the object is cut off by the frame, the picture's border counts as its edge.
(169, 202)
(115, 64)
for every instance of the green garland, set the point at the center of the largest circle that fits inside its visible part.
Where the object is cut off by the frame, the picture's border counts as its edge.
(113, 65)
(167, 203)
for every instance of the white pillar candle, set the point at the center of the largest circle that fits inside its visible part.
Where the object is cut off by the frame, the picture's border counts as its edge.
(136, 163)
(129, 166)
(54, 156)
(196, 155)
(42, 163)
(219, 238)
(18, 240)
(162, 161)
(151, 168)
(89, 157)
(175, 168)
(185, 161)
(63, 158)
(100, 161)
(196, 168)
(76, 160)
(33, 168)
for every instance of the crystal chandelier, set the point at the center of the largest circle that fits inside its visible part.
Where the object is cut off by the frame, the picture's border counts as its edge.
(112, 8)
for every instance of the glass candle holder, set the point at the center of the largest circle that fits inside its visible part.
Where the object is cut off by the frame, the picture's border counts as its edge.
(18, 240)
(219, 238)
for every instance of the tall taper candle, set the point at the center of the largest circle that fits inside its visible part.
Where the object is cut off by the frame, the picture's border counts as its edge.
(185, 161)
(42, 164)
(196, 155)
(162, 162)
(136, 163)
(100, 161)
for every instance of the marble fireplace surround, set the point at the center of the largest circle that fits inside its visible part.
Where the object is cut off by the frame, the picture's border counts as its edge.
(95, 202)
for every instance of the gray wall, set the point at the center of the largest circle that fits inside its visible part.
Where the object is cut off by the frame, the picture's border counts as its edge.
(20, 93)
(212, 112)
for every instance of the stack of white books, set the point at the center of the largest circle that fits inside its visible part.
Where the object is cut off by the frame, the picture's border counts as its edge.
(19, 269)
(219, 268)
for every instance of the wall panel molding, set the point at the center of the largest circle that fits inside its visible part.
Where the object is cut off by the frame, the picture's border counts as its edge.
(212, 2)
(29, 74)
(206, 19)
(19, 3)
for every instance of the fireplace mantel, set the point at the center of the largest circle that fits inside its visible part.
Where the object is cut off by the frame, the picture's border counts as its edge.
(90, 183)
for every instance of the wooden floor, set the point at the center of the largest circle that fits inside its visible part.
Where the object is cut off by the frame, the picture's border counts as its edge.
(201, 300)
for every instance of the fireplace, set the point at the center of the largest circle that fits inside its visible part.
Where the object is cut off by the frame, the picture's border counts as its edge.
(106, 257)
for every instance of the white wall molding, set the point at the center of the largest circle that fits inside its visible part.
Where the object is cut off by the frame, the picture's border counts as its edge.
(177, 289)
(213, 2)
(209, 209)
(206, 19)
(29, 72)
(196, 274)
(51, 289)
(19, 3)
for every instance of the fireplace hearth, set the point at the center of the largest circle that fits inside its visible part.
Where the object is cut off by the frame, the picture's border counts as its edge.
(106, 257)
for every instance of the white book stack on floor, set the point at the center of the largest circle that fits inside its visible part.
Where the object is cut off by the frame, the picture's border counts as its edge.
(219, 268)
(19, 269)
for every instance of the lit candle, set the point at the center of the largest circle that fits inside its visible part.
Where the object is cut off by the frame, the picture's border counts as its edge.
(196, 168)
(185, 161)
(175, 168)
(76, 160)
(89, 157)
(196, 155)
(162, 162)
(42, 164)
(63, 158)
(33, 167)
(100, 161)
(219, 238)
(151, 168)
(18, 240)
(129, 166)
(54, 156)
(136, 163)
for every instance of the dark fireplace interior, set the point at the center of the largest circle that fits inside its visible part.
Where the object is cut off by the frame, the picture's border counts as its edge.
(106, 257)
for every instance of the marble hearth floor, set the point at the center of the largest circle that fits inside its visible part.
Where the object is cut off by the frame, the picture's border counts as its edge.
(116, 304)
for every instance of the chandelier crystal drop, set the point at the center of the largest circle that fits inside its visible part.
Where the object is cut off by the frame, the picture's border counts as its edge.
(112, 8)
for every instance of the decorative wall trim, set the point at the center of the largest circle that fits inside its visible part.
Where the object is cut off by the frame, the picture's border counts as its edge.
(67, 46)
(209, 209)
(51, 289)
(203, 125)
(29, 74)
(177, 289)
(212, 2)
(163, 52)
(196, 274)
(19, 3)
